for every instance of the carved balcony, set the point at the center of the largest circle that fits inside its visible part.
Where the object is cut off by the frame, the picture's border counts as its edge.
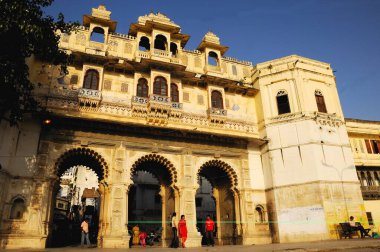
(370, 192)
(176, 111)
(89, 99)
(143, 55)
(217, 115)
(139, 106)
(161, 53)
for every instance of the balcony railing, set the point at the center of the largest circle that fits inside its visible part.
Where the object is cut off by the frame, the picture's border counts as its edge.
(96, 45)
(139, 100)
(89, 94)
(159, 98)
(145, 55)
(370, 189)
(177, 105)
(161, 53)
(217, 112)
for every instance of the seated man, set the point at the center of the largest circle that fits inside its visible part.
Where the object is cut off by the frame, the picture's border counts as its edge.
(357, 226)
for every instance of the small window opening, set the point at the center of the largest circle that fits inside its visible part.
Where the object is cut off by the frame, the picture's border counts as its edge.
(173, 49)
(234, 70)
(320, 102)
(198, 202)
(212, 59)
(97, 35)
(17, 210)
(144, 44)
(370, 219)
(282, 103)
(160, 42)
(259, 214)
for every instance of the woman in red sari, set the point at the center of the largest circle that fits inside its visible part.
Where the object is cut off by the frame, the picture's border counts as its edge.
(182, 230)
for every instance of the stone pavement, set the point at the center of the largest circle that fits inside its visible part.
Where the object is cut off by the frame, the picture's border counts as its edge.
(331, 245)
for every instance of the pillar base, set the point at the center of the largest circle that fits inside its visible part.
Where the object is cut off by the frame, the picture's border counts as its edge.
(194, 240)
(115, 241)
(21, 241)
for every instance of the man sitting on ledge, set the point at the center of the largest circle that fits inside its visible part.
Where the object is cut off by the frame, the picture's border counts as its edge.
(357, 226)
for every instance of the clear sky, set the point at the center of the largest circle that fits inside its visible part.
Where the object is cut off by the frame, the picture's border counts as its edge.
(344, 33)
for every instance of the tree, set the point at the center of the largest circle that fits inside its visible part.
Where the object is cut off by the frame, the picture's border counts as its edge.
(25, 31)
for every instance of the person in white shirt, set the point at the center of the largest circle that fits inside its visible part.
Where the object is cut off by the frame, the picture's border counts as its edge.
(357, 226)
(175, 241)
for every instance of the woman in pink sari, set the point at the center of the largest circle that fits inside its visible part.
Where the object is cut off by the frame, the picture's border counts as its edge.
(182, 230)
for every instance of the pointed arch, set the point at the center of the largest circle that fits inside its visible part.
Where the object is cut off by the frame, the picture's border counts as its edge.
(222, 166)
(82, 156)
(153, 164)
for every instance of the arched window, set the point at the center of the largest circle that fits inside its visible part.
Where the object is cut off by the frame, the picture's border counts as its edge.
(282, 102)
(97, 35)
(160, 87)
(320, 101)
(212, 59)
(144, 44)
(216, 100)
(260, 214)
(160, 42)
(174, 94)
(173, 49)
(17, 209)
(142, 88)
(91, 80)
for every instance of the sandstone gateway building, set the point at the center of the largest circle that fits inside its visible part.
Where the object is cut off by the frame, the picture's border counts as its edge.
(269, 138)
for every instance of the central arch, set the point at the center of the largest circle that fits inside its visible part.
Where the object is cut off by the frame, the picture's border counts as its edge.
(218, 197)
(153, 195)
(77, 194)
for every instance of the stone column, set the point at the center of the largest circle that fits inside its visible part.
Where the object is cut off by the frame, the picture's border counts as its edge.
(187, 207)
(215, 194)
(116, 235)
(187, 192)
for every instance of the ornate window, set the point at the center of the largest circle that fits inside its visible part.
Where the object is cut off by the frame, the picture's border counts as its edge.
(174, 94)
(91, 80)
(17, 209)
(97, 35)
(160, 87)
(216, 100)
(144, 44)
(213, 59)
(173, 49)
(142, 88)
(320, 101)
(160, 42)
(282, 102)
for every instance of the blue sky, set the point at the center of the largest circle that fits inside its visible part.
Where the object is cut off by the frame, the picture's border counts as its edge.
(344, 33)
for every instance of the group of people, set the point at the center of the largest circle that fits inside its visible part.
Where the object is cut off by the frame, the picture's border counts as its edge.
(181, 229)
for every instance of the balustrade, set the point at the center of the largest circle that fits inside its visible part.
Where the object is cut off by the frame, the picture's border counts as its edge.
(159, 98)
(177, 105)
(142, 54)
(217, 112)
(161, 53)
(89, 93)
(139, 100)
(96, 45)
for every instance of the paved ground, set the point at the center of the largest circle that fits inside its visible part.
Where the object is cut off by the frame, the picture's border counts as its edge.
(353, 245)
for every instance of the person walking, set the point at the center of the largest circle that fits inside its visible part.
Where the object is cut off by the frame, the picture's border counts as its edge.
(175, 242)
(182, 230)
(85, 233)
(209, 228)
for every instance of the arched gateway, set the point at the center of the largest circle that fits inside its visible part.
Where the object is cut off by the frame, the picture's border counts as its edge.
(75, 198)
(153, 195)
(218, 197)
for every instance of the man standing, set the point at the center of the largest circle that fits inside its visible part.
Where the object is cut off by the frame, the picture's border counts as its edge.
(175, 242)
(85, 233)
(209, 228)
